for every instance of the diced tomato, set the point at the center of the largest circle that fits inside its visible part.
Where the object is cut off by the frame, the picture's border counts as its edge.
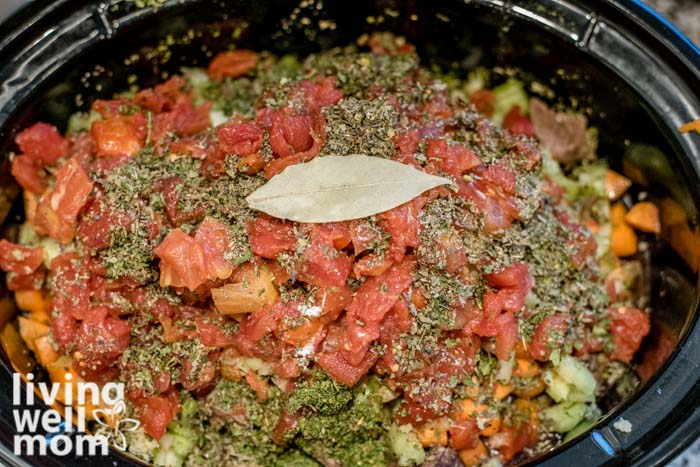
(96, 225)
(211, 332)
(628, 328)
(500, 175)
(71, 293)
(515, 276)
(507, 335)
(20, 259)
(343, 372)
(232, 64)
(321, 263)
(242, 139)
(464, 434)
(157, 411)
(320, 94)
(269, 237)
(183, 120)
(171, 198)
(64, 328)
(58, 211)
(293, 138)
(403, 226)
(484, 101)
(213, 237)
(181, 261)
(116, 136)
(28, 175)
(372, 301)
(512, 439)
(517, 123)
(550, 334)
(363, 235)
(372, 265)
(453, 159)
(101, 339)
(42, 143)
(33, 281)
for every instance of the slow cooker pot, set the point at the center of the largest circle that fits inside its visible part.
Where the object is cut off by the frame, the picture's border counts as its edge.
(629, 70)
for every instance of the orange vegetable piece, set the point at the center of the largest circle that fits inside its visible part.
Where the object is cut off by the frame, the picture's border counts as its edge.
(526, 368)
(534, 387)
(615, 184)
(691, 126)
(253, 291)
(624, 240)
(44, 351)
(645, 217)
(31, 330)
(672, 213)
(474, 456)
(32, 301)
(618, 212)
(433, 434)
(501, 391)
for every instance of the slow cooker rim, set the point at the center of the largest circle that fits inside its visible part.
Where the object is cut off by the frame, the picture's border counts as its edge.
(654, 24)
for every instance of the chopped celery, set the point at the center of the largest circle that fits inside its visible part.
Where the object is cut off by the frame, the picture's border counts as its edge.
(564, 416)
(508, 95)
(582, 427)
(570, 381)
(406, 446)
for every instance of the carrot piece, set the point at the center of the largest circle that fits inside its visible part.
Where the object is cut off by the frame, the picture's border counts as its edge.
(686, 243)
(526, 368)
(501, 391)
(31, 202)
(672, 213)
(44, 351)
(644, 216)
(526, 406)
(467, 408)
(624, 240)
(253, 292)
(491, 426)
(615, 184)
(693, 125)
(433, 434)
(473, 456)
(617, 214)
(532, 388)
(30, 330)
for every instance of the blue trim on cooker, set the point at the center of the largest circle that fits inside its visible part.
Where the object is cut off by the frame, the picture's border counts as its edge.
(668, 25)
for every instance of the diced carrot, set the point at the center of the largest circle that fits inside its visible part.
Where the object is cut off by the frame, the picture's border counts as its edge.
(33, 301)
(618, 212)
(526, 368)
(686, 243)
(527, 406)
(615, 184)
(433, 434)
(531, 388)
(644, 216)
(672, 213)
(254, 291)
(491, 425)
(624, 240)
(693, 125)
(473, 456)
(44, 351)
(489, 419)
(472, 390)
(30, 204)
(30, 330)
(258, 385)
(501, 391)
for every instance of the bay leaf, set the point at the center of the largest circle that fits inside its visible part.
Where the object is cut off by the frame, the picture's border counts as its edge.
(341, 188)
